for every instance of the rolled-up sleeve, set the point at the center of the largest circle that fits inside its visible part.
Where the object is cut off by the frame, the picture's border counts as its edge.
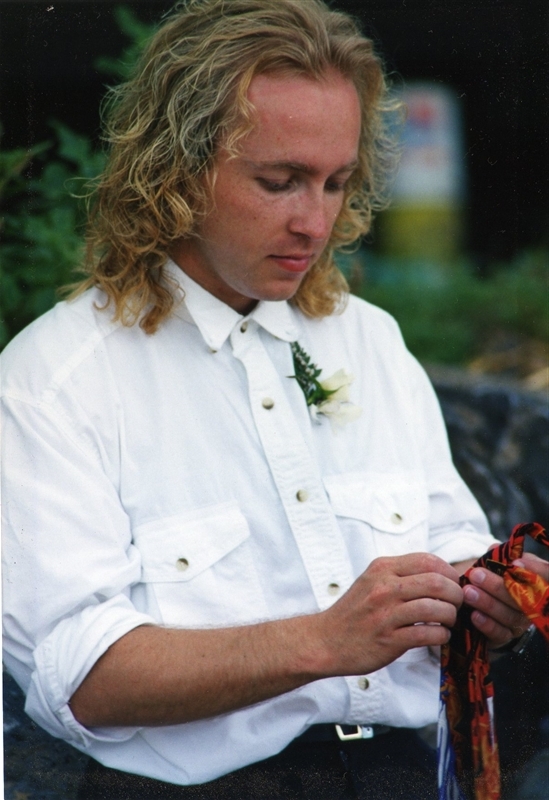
(68, 562)
(458, 527)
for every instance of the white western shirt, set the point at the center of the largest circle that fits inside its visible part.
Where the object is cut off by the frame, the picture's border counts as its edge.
(178, 479)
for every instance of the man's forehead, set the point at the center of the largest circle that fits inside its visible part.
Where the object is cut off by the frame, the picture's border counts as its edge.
(295, 113)
(281, 90)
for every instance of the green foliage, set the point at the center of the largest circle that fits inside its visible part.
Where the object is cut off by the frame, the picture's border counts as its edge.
(41, 218)
(41, 224)
(138, 32)
(448, 314)
(307, 375)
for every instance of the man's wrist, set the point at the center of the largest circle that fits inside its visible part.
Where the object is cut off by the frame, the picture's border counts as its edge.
(517, 645)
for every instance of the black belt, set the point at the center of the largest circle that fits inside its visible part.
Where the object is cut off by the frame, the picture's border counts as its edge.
(326, 732)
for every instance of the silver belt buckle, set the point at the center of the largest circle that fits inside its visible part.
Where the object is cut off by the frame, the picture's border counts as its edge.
(362, 732)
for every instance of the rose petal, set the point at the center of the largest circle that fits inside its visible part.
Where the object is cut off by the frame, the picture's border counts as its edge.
(339, 414)
(338, 384)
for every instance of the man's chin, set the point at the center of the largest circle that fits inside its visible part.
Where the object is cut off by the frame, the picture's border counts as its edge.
(281, 291)
(272, 292)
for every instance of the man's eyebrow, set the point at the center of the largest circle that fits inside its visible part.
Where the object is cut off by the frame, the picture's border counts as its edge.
(299, 166)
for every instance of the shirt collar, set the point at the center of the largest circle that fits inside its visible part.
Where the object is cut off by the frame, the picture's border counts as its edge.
(216, 320)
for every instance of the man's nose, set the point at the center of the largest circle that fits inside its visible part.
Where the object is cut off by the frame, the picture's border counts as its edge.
(314, 216)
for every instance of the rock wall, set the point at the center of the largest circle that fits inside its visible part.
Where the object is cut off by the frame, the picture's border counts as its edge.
(499, 435)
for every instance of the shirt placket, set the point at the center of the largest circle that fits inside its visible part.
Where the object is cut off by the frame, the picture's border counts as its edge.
(294, 472)
(301, 490)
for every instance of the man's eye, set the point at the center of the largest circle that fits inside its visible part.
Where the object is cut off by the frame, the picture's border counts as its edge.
(275, 186)
(332, 187)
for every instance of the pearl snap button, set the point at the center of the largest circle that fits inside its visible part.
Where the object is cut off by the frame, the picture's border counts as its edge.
(244, 327)
(182, 564)
(363, 683)
(267, 402)
(333, 588)
(302, 495)
(396, 519)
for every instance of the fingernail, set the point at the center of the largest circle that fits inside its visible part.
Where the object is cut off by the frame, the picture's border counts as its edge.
(478, 576)
(518, 563)
(470, 593)
(480, 618)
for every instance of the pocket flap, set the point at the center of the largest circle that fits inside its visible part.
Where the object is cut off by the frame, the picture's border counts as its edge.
(388, 502)
(180, 547)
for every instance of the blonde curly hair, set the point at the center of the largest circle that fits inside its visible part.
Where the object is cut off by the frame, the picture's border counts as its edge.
(188, 94)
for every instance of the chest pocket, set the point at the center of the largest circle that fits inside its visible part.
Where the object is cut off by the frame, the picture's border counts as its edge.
(391, 509)
(382, 514)
(198, 569)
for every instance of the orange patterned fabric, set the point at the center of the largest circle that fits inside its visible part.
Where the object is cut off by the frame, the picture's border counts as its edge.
(467, 745)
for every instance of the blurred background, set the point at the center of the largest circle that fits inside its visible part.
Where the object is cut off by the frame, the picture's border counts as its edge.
(461, 259)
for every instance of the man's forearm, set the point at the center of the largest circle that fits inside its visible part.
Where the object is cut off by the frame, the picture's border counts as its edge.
(164, 676)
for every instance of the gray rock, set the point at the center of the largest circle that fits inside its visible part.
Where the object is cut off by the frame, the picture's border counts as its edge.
(533, 781)
(499, 435)
(36, 765)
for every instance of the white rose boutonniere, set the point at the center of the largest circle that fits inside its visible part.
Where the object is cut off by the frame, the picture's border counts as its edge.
(330, 397)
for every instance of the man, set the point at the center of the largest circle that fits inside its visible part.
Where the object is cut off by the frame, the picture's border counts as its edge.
(203, 568)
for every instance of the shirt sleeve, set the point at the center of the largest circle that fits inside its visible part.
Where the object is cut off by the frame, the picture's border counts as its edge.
(458, 527)
(68, 564)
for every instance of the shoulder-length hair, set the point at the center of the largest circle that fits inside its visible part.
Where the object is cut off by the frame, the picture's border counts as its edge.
(189, 93)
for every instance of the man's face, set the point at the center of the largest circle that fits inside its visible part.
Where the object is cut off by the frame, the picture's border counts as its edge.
(275, 204)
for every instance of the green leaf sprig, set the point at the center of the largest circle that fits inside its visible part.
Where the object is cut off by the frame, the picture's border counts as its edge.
(306, 374)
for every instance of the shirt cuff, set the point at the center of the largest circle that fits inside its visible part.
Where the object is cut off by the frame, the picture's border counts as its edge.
(64, 658)
(461, 543)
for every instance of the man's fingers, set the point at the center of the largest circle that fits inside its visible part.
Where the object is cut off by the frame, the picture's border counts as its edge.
(509, 616)
(430, 586)
(534, 564)
(419, 635)
(496, 633)
(426, 611)
(419, 563)
(491, 584)
(496, 615)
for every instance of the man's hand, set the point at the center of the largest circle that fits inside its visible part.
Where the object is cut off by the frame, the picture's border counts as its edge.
(496, 614)
(164, 676)
(534, 564)
(396, 604)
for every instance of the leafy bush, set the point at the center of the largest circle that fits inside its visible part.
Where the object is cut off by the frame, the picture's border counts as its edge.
(447, 314)
(41, 224)
(137, 32)
(42, 217)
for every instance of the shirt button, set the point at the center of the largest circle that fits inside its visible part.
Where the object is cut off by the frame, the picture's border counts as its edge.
(182, 564)
(267, 402)
(396, 519)
(333, 588)
(363, 683)
(244, 327)
(302, 495)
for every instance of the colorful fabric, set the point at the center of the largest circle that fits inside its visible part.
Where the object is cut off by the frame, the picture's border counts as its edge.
(467, 744)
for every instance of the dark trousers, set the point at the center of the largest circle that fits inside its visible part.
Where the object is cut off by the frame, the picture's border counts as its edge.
(394, 766)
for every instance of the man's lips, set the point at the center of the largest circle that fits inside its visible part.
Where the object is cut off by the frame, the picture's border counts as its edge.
(297, 262)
